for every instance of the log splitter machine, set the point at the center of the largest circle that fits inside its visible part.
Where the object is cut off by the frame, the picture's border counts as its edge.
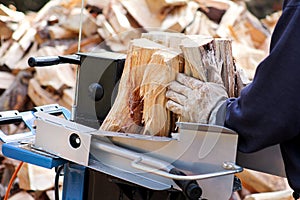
(198, 162)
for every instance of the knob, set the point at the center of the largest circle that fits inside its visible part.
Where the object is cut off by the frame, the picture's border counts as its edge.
(96, 91)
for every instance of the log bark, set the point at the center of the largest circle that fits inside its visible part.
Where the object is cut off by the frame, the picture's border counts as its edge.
(223, 53)
(209, 60)
(140, 103)
(200, 59)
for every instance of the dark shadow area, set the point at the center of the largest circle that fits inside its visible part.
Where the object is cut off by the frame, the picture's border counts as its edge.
(25, 5)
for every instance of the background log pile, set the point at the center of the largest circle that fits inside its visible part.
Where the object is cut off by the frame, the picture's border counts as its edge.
(111, 25)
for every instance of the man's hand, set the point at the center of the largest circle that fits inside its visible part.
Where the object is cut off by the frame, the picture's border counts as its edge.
(194, 100)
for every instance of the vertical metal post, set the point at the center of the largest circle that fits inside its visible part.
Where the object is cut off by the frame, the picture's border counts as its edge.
(74, 182)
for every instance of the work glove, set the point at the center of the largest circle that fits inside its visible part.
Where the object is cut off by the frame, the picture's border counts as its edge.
(194, 100)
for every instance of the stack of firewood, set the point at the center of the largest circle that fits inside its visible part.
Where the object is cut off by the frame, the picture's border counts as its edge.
(112, 25)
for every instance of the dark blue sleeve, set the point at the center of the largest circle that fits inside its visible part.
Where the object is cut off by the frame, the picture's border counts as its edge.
(268, 110)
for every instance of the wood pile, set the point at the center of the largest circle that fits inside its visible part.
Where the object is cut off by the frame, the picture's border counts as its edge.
(112, 25)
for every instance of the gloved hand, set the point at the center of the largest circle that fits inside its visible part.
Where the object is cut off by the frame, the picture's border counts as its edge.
(194, 100)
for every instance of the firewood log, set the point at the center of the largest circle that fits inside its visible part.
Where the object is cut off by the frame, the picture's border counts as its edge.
(5, 31)
(278, 195)
(12, 55)
(139, 10)
(116, 16)
(168, 39)
(149, 67)
(201, 25)
(140, 103)
(158, 6)
(258, 182)
(15, 97)
(30, 177)
(6, 79)
(38, 95)
(89, 26)
(57, 32)
(180, 17)
(21, 196)
(209, 60)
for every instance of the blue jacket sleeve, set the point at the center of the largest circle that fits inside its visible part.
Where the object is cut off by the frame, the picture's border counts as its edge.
(268, 110)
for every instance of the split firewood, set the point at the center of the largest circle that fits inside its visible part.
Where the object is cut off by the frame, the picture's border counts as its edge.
(8, 167)
(180, 17)
(41, 96)
(4, 46)
(72, 22)
(6, 79)
(57, 32)
(142, 14)
(109, 35)
(21, 196)
(22, 64)
(194, 49)
(21, 30)
(271, 20)
(5, 31)
(15, 97)
(27, 39)
(47, 10)
(247, 59)
(9, 14)
(201, 25)
(32, 177)
(116, 15)
(258, 182)
(51, 194)
(140, 104)
(209, 60)
(279, 195)
(93, 40)
(159, 6)
(18, 49)
(239, 24)
(223, 54)
(12, 55)
(100, 4)
(168, 39)
(38, 95)
(214, 9)
(54, 76)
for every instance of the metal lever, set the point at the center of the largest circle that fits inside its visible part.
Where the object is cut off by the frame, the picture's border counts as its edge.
(229, 167)
(53, 60)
